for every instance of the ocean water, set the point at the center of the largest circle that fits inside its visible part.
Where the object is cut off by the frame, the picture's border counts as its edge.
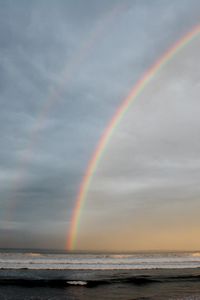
(58, 261)
(46, 275)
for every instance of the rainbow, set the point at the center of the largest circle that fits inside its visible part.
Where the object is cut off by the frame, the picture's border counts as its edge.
(116, 119)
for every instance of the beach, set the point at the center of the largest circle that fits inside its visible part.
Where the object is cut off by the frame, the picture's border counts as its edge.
(48, 276)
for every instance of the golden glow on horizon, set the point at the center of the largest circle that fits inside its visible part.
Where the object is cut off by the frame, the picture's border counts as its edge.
(165, 227)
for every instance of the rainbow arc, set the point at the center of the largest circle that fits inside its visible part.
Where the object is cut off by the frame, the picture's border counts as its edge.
(107, 134)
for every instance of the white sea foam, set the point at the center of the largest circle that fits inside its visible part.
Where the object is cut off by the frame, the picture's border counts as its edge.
(77, 282)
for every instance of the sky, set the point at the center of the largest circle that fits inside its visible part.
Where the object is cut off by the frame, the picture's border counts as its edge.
(65, 67)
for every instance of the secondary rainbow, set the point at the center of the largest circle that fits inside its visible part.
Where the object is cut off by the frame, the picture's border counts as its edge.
(95, 36)
(126, 103)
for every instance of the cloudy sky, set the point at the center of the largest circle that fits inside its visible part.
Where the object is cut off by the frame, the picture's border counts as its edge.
(65, 67)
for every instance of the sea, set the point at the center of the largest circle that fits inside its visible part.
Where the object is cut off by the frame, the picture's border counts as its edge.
(50, 275)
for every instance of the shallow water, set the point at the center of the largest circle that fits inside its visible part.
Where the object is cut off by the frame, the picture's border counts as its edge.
(118, 291)
(100, 284)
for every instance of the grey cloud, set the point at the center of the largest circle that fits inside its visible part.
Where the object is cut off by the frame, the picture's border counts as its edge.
(49, 52)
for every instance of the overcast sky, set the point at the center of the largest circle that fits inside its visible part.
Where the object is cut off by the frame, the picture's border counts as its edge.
(65, 66)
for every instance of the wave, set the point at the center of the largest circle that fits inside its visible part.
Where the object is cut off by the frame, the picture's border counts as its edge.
(77, 282)
(99, 262)
(196, 254)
